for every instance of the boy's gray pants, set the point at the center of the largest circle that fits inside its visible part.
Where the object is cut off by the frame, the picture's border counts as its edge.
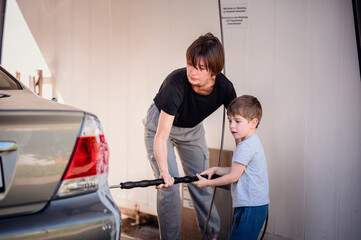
(193, 152)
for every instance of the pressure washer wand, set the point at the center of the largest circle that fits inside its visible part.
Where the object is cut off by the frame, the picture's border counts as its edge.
(156, 182)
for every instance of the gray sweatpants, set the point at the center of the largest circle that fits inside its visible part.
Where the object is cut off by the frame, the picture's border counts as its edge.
(193, 152)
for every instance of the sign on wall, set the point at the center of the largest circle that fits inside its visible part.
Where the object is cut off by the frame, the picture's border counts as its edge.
(235, 15)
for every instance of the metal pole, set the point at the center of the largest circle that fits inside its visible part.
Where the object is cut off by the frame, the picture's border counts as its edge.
(222, 136)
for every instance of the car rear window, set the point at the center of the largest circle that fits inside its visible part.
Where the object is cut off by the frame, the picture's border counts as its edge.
(7, 83)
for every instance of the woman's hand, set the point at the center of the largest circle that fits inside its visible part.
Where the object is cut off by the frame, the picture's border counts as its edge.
(168, 181)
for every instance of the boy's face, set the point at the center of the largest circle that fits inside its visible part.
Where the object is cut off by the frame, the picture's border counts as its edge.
(240, 127)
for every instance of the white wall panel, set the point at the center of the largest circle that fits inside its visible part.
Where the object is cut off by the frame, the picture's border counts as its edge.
(80, 75)
(63, 62)
(350, 165)
(259, 81)
(46, 34)
(138, 18)
(99, 60)
(324, 104)
(289, 113)
(118, 107)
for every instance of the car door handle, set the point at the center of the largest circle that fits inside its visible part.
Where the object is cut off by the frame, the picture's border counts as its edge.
(8, 146)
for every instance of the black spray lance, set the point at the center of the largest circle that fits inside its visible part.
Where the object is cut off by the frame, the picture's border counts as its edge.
(156, 182)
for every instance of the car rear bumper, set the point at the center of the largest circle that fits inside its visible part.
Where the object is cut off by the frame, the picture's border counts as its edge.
(89, 216)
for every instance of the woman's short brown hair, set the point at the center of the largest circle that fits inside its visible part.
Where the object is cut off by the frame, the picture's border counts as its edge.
(247, 106)
(208, 48)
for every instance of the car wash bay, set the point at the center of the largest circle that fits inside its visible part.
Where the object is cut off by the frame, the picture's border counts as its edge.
(298, 57)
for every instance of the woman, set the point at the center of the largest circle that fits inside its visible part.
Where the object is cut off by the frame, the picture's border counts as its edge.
(186, 97)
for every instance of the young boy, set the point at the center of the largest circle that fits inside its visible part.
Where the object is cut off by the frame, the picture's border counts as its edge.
(248, 171)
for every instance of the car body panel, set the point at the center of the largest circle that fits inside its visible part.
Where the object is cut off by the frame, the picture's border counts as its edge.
(67, 218)
(26, 100)
(45, 141)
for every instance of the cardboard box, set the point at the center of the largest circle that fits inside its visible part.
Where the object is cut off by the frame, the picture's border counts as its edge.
(223, 203)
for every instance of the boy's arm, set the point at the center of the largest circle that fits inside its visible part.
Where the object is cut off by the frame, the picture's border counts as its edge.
(216, 170)
(232, 176)
(222, 171)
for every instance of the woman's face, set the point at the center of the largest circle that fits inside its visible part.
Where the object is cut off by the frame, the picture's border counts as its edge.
(198, 76)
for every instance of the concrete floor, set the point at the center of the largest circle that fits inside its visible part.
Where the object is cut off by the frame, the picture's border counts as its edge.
(145, 230)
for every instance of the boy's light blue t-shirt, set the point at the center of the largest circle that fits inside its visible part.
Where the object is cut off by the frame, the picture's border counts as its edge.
(252, 187)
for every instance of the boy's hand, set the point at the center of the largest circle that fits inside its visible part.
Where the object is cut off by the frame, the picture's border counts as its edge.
(202, 182)
(209, 172)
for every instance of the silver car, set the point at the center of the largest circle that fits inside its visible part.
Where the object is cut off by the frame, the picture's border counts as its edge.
(53, 169)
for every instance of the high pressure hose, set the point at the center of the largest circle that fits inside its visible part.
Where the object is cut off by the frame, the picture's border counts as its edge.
(222, 138)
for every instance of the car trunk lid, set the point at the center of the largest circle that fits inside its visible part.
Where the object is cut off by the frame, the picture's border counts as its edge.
(43, 141)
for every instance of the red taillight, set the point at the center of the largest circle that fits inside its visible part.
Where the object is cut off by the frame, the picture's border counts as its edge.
(90, 157)
(87, 169)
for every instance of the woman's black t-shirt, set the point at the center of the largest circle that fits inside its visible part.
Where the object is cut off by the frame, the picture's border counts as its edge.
(177, 98)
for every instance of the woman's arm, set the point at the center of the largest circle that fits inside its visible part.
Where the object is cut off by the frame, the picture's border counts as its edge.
(165, 123)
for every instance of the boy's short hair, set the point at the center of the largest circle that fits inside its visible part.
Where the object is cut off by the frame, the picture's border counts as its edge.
(210, 49)
(247, 106)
